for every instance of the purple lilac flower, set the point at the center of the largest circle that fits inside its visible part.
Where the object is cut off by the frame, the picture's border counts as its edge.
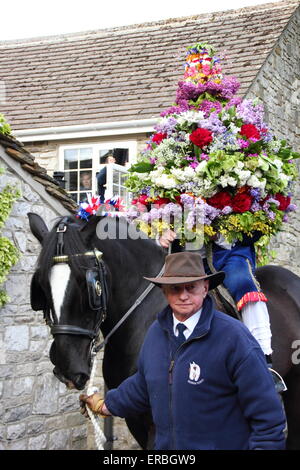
(235, 101)
(204, 156)
(190, 91)
(255, 207)
(271, 200)
(285, 218)
(226, 210)
(291, 208)
(213, 124)
(190, 220)
(171, 209)
(187, 200)
(152, 160)
(146, 190)
(255, 193)
(271, 215)
(243, 143)
(207, 106)
(175, 110)
(167, 127)
(252, 154)
(251, 114)
(211, 212)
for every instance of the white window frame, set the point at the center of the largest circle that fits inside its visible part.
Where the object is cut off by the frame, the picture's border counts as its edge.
(96, 147)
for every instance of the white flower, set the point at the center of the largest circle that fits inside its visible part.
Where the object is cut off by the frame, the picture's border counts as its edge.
(283, 178)
(243, 175)
(166, 181)
(178, 173)
(226, 180)
(189, 172)
(201, 167)
(225, 116)
(234, 129)
(190, 116)
(253, 181)
(278, 163)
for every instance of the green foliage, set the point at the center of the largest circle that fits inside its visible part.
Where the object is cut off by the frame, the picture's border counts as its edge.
(4, 127)
(9, 254)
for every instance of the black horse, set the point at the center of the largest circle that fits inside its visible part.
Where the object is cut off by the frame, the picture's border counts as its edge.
(62, 289)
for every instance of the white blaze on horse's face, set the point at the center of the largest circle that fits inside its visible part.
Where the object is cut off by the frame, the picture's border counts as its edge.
(59, 278)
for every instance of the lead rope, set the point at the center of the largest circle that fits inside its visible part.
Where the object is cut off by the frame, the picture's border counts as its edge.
(100, 438)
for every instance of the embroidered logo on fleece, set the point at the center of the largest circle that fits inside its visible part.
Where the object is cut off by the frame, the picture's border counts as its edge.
(194, 374)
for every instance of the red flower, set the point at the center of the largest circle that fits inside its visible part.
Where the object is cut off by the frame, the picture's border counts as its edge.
(284, 201)
(220, 200)
(140, 200)
(201, 137)
(241, 202)
(157, 138)
(161, 200)
(250, 132)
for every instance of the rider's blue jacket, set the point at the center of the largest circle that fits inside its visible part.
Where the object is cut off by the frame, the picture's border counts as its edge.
(212, 392)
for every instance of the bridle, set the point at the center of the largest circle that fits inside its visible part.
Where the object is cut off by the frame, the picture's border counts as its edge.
(96, 281)
(97, 293)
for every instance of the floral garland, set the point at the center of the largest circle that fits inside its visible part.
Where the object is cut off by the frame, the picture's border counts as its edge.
(93, 206)
(212, 154)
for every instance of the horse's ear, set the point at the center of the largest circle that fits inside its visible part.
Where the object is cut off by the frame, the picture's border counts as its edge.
(88, 229)
(38, 298)
(37, 226)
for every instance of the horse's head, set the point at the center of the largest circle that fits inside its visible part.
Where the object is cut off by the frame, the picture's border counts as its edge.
(70, 287)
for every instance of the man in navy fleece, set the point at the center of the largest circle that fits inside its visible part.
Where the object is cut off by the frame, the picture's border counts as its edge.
(205, 381)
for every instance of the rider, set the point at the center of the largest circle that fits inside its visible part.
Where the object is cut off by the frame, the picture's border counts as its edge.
(238, 262)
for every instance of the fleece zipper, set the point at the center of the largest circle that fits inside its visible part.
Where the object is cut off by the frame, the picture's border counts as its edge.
(170, 371)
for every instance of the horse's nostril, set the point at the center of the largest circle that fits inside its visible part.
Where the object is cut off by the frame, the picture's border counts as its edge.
(80, 380)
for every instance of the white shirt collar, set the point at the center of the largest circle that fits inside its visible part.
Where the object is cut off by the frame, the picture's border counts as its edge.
(190, 324)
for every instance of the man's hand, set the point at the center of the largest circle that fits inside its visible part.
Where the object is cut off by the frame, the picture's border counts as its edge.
(167, 238)
(95, 403)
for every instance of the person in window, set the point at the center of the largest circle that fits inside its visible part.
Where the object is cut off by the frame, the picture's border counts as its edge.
(85, 181)
(101, 177)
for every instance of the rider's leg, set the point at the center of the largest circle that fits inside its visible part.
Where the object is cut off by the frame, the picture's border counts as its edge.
(251, 302)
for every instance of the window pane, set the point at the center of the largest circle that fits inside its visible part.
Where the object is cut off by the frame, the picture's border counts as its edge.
(71, 180)
(86, 157)
(86, 180)
(120, 155)
(73, 196)
(83, 197)
(104, 154)
(70, 159)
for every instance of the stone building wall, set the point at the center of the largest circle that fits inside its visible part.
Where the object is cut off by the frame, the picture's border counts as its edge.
(36, 411)
(278, 86)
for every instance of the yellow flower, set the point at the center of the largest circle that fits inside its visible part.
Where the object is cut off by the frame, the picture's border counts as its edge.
(208, 230)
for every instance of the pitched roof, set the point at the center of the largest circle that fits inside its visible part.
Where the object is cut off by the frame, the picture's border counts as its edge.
(17, 151)
(131, 72)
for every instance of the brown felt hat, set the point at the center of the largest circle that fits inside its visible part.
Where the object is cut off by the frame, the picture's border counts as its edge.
(186, 267)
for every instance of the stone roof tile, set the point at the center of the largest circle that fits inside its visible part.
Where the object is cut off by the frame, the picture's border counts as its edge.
(115, 74)
(16, 150)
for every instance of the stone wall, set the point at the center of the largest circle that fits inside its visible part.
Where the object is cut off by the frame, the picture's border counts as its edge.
(36, 411)
(278, 86)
